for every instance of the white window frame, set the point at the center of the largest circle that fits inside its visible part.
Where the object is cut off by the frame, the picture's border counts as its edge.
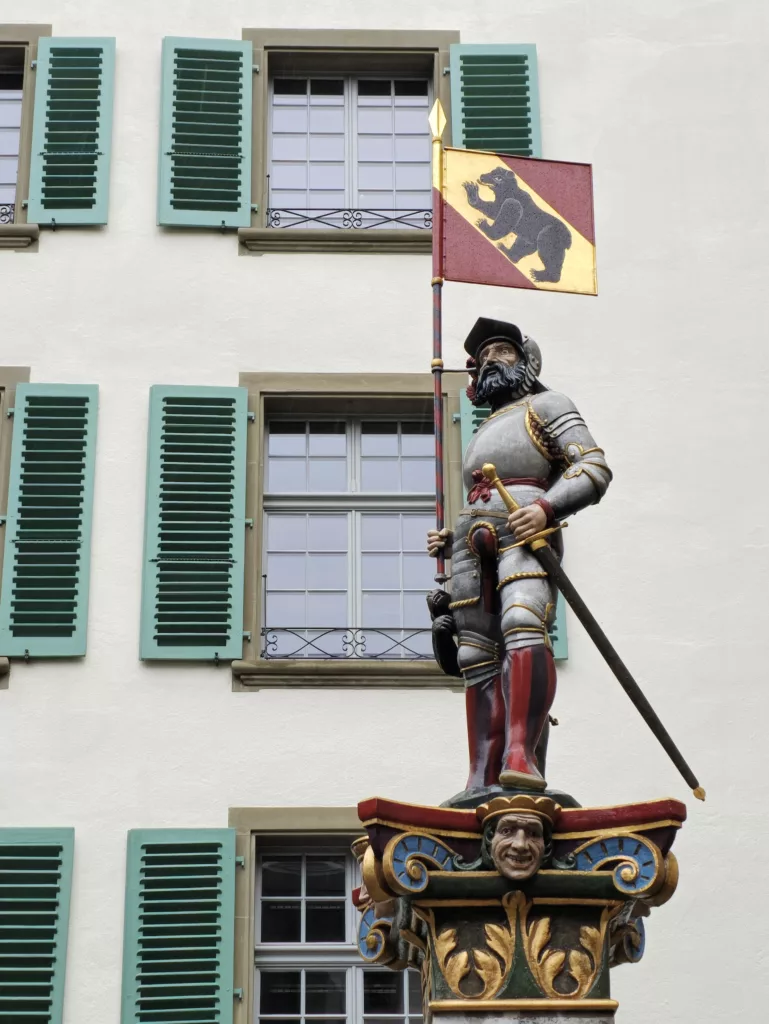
(303, 956)
(352, 502)
(350, 106)
(9, 96)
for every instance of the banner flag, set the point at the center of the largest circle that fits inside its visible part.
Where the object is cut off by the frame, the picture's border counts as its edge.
(514, 221)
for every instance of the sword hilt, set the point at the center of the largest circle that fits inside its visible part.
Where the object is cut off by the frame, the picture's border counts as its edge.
(538, 540)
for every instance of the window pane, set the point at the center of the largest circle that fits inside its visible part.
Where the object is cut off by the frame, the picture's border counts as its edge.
(287, 475)
(325, 992)
(417, 438)
(289, 119)
(418, 572)
(374, 87)
(290, 86)
(327, 572)
(381, 533)
(412, 148)
(413, 87)
(381, 572)
(9, 143)
(327, 533)
(286, 572)
(328, 438)
(412, 176)
(327, 119)
(418, 475)
(411, 122)
(324, 922)
(281, 876)
(381, 611)
(325, 876)
(327, 176)
(287, 438)
(380, 475)
(372, 148)
(285, 610)
(280, 992)
(289, 147)
(379, 438)
(415, 532)
(327, 87)
(416, 615)
(377, 121)
(376, 176)
(286, 533)
(414, 992)
(382, 992)
(289, 176)
(326, 610)
(281, 922)
(327, 475)
(327, 147)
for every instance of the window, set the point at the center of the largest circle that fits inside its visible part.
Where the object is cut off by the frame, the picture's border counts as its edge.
(11, 93)
(346, 508)
(307, 964)
(349, 152)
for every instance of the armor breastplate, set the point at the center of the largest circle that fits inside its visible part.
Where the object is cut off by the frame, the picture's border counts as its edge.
(504, 440)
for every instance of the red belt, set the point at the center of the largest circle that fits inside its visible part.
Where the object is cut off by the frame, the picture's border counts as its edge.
(482, 489)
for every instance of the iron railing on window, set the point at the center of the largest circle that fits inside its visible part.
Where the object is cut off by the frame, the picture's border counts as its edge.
(351, 642)
(350, 218)
(7, 212)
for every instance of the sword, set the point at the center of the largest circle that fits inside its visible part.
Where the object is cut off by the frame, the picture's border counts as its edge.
(547, 559)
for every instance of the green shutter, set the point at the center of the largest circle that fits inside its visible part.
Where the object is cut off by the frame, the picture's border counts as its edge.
(46, 567)
(495, 98)
(35, 884)
(192, 605)
(205, 133)
(72, 131)
(178, 955)
(470, 418)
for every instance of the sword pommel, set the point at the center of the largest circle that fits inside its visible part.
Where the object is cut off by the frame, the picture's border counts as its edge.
(490, 472)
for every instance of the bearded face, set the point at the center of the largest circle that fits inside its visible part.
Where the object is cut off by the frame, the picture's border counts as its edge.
(518, 846)
(504, 375)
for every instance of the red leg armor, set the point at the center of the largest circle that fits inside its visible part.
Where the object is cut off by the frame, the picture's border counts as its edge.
(485, 732)
(528, 685)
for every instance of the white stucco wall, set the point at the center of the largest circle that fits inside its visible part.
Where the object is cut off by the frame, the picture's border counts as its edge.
(667, 99)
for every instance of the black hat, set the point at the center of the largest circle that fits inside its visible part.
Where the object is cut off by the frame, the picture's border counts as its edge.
(486, 330)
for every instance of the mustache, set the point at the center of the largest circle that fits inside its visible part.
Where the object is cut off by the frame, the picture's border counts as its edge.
(496, 379)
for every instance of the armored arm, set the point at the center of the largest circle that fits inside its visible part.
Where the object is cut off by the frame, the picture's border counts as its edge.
(585, 476)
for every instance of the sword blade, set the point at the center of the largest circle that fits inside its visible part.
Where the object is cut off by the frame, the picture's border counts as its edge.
(553, 568)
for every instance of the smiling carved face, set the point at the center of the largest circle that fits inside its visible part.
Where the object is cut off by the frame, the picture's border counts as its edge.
(518, 845)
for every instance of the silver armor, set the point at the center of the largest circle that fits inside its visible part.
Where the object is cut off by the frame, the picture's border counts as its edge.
(542, 446)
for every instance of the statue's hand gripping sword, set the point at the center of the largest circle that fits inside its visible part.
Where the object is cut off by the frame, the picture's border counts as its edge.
(547, 559)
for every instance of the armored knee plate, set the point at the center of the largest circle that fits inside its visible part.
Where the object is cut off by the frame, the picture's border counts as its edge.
(478, 656)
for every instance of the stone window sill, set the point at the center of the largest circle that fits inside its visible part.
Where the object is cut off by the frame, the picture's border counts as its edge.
(267, 674)
(19, 236)
(263, 240)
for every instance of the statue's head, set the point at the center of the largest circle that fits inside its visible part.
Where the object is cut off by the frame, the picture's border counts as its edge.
(517, 834)
(504, 363)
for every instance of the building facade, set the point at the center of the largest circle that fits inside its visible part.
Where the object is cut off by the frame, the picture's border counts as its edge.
(216, 472)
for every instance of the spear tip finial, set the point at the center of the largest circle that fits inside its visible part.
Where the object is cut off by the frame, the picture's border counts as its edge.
(437, 121)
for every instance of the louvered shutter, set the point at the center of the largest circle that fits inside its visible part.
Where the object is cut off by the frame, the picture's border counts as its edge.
(72, 131)
(178, 957)
(495, 98)
(205, 133)
(35, 884)
(46, 565)
(470, 418)
(195, 523)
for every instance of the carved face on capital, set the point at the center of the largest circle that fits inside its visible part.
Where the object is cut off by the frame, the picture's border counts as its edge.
(518, 845)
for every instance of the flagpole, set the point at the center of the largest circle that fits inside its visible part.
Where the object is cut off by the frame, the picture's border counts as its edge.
(437, 125)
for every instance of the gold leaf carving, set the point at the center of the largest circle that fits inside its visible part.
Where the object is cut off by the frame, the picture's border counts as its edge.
(539, 936)
(445, 942)
(581, 969)
(549, 968)
(455, 969)
(501, 941)
(489, 971)
(591, 939)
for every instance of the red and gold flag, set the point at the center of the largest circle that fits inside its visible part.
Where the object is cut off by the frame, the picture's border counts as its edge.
(514, 221)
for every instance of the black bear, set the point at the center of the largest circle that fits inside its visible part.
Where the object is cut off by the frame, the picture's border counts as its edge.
(515, 212)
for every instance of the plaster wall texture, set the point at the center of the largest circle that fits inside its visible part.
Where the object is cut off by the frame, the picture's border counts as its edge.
(668, 365)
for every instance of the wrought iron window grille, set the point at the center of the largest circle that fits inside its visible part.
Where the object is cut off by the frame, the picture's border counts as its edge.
(7, 213)
(350, 218)
(351, 642)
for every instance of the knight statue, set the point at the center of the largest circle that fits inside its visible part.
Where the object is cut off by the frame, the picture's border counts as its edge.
(502, 602)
